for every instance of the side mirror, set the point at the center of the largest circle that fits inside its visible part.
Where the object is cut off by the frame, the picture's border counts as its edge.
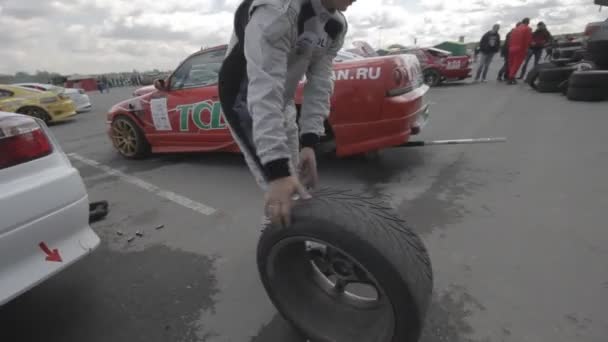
(601, 2)
(161, 84)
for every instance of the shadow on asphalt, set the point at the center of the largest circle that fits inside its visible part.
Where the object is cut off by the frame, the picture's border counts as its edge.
(378, 168)
(454, 84)
(62, 122)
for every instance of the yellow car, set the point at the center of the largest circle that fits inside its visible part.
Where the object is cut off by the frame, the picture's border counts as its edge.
(45, 105)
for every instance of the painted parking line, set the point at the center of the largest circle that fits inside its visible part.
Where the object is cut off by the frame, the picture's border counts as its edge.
(169, 195)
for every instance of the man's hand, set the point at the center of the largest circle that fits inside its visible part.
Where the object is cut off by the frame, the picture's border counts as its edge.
(308, 167)
(279, 199)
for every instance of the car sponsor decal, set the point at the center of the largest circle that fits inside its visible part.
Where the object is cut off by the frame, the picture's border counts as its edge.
(160, 115)
(453, 65)
(362, 73)
(205, 115)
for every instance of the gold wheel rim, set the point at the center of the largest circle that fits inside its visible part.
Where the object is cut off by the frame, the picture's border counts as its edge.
(124, 138)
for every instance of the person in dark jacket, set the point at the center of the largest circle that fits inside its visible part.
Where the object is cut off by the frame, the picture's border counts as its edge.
(541, 39)
(488, 47)
(504, 53)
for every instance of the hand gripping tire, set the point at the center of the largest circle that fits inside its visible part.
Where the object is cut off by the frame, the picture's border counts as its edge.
(338, 239)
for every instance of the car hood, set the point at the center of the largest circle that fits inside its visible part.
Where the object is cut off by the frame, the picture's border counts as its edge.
(144, 90)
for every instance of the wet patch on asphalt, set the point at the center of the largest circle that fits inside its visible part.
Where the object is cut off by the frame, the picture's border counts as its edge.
(441, 204)
(374, 169)
(446, 321)
(152, 295)
(447, 317)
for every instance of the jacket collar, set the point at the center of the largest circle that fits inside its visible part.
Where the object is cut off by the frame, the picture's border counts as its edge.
(322, 13)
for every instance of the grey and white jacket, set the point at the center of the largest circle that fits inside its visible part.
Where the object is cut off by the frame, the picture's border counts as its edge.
(274, 45)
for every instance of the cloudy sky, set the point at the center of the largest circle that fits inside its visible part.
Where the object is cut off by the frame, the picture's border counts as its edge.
(95, 36)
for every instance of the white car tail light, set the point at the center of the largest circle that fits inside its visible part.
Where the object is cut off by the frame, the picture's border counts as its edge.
(22, 139)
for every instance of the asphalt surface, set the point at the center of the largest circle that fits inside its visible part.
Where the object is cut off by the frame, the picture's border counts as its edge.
(516, 230)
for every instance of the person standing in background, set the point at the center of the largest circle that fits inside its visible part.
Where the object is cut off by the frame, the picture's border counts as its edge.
(520, 40)
(503, 73)
(541, 39)
(488, 47)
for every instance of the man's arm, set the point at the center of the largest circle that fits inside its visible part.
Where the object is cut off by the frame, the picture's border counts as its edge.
(317, 95)
(482, 41)
(267, 45)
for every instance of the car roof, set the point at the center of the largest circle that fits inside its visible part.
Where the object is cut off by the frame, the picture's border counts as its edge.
(439, 50)
(8, 114)
(13, 87)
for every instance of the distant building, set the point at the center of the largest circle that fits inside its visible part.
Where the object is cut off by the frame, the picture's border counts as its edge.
(85, 82)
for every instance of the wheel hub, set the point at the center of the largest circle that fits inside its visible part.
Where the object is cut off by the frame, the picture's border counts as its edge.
(332, 289)
(124, 137)
(342, 268)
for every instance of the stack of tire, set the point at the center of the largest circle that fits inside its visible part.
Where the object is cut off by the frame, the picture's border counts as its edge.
(581, 81)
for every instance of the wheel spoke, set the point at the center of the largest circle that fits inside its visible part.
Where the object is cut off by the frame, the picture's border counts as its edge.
(340, 285)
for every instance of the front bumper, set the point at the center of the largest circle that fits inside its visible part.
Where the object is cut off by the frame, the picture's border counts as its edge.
(23, 264)
(422, 119)
(62, 110)
(84, 107)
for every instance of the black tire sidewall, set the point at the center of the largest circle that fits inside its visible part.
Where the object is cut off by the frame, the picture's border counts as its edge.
(589, 79)
(555, 75)
(598, 49)
(549, 87)
(409, 307)
(587, 94)
(532, 76)
(46, 118)
(436, 76)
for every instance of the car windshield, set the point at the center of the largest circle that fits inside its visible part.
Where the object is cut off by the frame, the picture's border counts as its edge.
(199, 70)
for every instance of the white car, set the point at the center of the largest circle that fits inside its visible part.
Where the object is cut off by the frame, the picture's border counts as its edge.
(44, 207)
(79, 96)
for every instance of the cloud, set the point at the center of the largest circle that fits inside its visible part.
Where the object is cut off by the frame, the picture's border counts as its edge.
(94, 36)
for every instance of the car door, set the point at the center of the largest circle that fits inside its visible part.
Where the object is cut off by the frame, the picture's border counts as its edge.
(188, 115)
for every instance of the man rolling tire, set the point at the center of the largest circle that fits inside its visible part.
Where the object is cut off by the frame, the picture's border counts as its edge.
(308, 240)
(275, 43)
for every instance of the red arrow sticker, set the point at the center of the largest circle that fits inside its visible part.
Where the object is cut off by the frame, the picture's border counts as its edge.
(50, 255)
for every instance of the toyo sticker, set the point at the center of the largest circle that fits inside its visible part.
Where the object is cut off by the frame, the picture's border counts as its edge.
(205, 115)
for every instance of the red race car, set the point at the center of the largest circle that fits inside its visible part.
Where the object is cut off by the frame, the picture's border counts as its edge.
(377, 103)
(439, 65)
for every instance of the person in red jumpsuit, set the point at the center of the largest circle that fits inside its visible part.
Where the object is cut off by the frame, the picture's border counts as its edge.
(520, 40)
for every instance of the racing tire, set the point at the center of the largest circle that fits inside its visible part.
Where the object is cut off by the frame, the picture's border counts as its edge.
(130, 142)
(532, 76)
(363, 241)
(587, 94)
(598, 49)
(555, 75)
(98, 211)
(589, 79)
(432, 77)
(35, 112)
(549, 87)
(564, 88)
